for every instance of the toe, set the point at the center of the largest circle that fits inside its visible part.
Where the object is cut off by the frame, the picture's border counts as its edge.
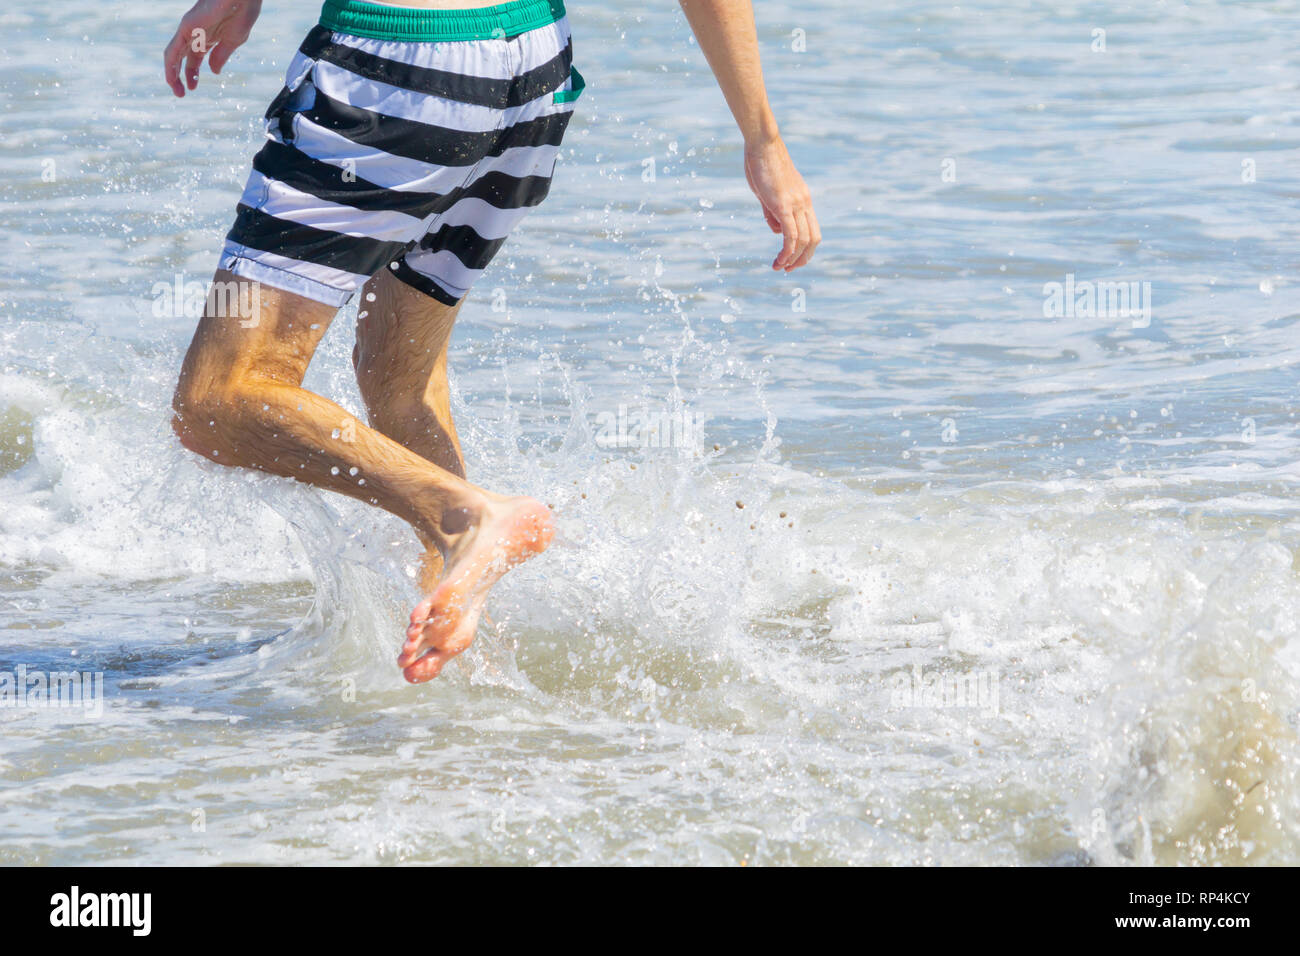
(427, 667)
(429, 627)
(410, 652)
(419, 638)
(414, 645)
(422, 612)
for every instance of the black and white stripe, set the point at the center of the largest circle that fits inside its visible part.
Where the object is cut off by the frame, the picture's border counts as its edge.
(423, 155)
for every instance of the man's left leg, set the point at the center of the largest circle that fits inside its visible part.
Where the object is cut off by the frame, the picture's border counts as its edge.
(240, 402)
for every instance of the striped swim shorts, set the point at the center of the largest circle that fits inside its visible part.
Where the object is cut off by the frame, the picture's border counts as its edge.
(409, 139)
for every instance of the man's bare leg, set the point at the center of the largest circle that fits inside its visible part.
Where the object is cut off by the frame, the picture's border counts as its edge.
(401, 364)
(240, 402)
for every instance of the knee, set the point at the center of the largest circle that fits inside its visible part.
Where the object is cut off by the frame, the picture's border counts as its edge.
(202, 416)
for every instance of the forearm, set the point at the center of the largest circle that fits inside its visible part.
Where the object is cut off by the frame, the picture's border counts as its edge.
(725, 31)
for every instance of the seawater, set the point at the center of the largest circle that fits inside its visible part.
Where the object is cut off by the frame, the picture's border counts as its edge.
(890, 562)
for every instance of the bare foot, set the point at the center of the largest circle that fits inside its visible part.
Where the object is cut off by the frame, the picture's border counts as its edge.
(509, 532)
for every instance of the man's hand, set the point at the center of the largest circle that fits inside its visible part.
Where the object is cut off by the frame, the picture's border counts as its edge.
(787, 205)
(218, 27)
(726, 32)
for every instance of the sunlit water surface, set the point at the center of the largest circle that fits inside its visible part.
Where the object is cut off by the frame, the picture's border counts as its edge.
(1084, 526)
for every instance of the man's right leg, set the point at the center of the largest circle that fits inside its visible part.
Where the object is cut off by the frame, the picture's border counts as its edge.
(240, 402)
(401, 365)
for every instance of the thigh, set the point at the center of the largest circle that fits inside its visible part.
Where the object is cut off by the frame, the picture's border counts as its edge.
(252, 331)
(402, 337)
(401, 365)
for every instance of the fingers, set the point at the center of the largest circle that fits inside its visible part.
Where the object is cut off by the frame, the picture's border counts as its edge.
(190, 44)
(802, 235)
(797, 232)
(814, 233)
(787, 206)
(172, 63)
(800, 241)
(194, 60)
(222, 53)
(223, 49)
(790, 233)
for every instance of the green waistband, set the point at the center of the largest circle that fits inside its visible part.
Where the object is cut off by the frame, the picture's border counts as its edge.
(413, 24)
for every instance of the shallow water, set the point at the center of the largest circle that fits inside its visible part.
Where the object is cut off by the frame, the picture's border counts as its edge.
(1082, 527)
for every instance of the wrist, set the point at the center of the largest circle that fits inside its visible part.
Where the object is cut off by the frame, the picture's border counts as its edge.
(760, 143)
(761, 133)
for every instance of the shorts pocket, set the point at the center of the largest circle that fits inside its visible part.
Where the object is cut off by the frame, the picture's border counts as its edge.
(576, 85)
(296, 95)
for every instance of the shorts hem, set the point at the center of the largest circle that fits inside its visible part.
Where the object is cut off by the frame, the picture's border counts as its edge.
(426, 284)
(234, 259)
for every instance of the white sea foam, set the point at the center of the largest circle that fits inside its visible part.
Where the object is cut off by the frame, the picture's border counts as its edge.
(940, 487)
